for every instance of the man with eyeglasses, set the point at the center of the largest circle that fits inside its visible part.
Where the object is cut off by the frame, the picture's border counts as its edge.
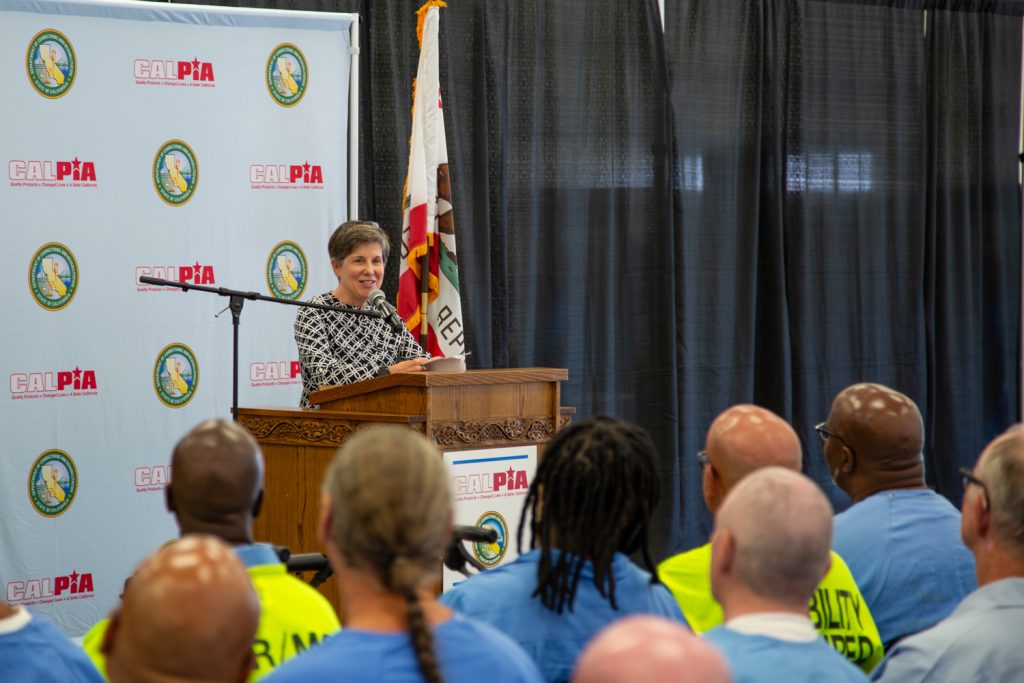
(740, 441)
(981, 639)
(900, 538)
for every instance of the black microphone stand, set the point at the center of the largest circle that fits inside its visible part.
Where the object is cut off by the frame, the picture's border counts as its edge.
(236, 298)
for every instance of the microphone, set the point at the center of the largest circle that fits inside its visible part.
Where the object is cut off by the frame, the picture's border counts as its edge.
(387, 311)
(474, 534)
(456, 557)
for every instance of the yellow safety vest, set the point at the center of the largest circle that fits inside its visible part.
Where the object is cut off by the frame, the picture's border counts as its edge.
(837, 609)
(293, 618)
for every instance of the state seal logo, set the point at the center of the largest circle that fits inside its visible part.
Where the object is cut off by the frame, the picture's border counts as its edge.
(175, 172)
(52, 483)
(53, 276)
(287, 75)
(286, 271)
(175, 375)
(50, 62)
(491, 554)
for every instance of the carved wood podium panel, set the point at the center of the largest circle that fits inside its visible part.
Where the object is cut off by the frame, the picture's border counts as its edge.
(456, 411)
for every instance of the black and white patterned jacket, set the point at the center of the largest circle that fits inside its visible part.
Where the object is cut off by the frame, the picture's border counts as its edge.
(340, 348)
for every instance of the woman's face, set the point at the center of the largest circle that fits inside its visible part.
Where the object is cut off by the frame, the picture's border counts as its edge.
(361, 272)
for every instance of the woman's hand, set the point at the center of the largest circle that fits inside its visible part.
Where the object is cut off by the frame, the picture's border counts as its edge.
(411, 365)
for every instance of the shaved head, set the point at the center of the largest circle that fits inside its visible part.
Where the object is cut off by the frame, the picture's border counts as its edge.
(216, 481)
(743, 439)
(878, 437)
(189, 614)
(650, 649)
(778, 525)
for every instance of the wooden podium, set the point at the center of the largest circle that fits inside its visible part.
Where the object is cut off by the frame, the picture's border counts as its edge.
(455, 410)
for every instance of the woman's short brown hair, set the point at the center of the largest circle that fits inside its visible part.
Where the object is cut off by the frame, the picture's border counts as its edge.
(352, 234)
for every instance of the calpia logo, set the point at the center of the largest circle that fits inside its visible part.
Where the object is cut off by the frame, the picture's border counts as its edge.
(175, 375)
(287, 74)
(52, 483)
(275, 373)
(74, 586)
(304, 176)
(174, 73)
(50, 62)
(490, 482)
(491, 554)
(175, 172)
(286, 271)
(53, 384)
(53, 276)
(39, 173)
(196, 274)
(151, 478)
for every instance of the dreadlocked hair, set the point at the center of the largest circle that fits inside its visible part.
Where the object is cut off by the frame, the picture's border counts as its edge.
(593, 495)
(390, 511)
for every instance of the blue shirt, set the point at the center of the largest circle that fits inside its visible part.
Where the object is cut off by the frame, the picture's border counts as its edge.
(502, 597)
(38, 652)
(983, 640)
(904, 550)
(757, 658)
(467, 651)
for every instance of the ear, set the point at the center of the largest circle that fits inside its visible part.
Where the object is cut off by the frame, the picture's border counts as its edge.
(723, 555)
(712, 488)
(723, 551)
(849, 460)
(980, 515)
(257, 507)
(248, 666)
(323, 527)
(107, 647)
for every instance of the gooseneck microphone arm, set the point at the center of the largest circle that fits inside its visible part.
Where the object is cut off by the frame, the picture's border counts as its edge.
(235, 300)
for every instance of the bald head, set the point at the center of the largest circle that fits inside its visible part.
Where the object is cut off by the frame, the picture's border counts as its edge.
(743, 439)
(216, 481)
(650, 649)
(776, 527)
(189, 614)
(877, 439)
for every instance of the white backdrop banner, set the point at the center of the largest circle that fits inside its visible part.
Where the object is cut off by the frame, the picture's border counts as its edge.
(196, 144)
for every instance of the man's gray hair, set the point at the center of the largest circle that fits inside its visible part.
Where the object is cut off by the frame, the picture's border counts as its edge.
(1002, 471)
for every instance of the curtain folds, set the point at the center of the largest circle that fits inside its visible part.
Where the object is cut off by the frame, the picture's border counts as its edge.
(766, 202)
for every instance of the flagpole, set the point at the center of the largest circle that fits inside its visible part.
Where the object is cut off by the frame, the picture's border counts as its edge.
(424, 297)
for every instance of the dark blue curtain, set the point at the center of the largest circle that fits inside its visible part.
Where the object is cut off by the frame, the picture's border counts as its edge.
(765, 202)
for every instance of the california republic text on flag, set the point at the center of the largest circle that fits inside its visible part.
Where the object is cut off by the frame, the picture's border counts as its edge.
(428, 283)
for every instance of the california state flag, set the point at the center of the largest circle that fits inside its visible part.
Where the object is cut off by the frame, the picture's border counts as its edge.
(428, 283)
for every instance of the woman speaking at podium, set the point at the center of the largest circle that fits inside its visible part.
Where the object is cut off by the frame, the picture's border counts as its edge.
(341, 348)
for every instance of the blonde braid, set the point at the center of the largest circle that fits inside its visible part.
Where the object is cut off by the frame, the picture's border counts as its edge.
(390, 515)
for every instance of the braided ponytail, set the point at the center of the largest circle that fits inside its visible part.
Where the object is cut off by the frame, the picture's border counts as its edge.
(390, 513)
(404, 577)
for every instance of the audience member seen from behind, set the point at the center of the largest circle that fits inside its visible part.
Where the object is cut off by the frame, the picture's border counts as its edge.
(901, 540)
(33, 649)
(769, 551)
(981, 640)
(341, 348)
(741, 440)
(589, 506)
(189, 614)
(650, 650)
(217, 489)
(385, 522)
